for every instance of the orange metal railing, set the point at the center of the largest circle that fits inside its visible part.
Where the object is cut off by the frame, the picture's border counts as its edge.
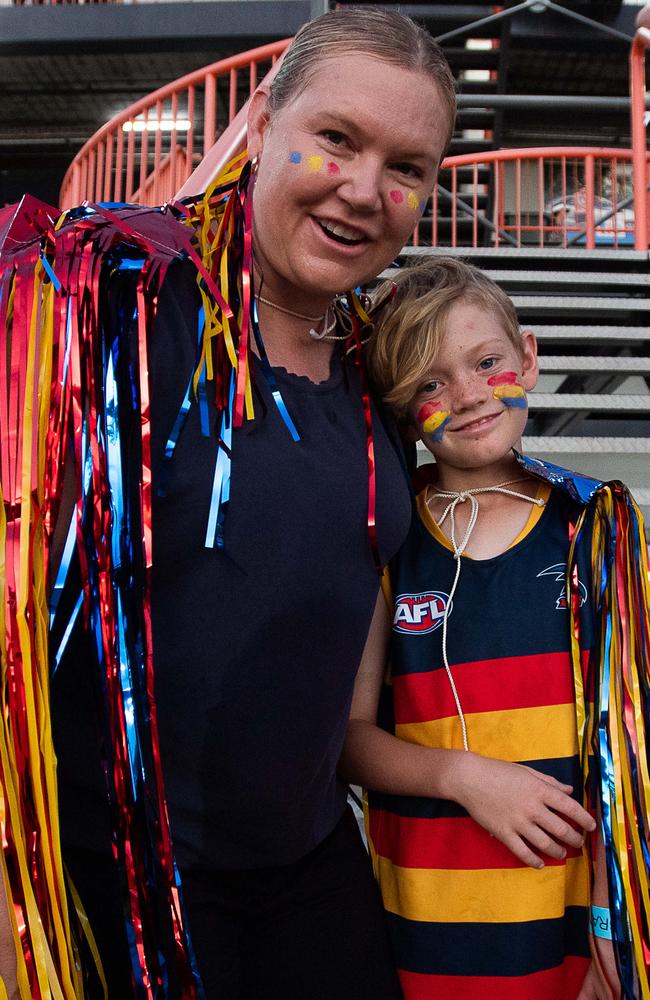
(641, 173)
(555, 196)
(147, 152)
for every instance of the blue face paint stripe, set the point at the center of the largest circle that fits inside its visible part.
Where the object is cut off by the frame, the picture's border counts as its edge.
(437, 435)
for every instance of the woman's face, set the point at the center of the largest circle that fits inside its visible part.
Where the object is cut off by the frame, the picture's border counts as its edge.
(344, 170)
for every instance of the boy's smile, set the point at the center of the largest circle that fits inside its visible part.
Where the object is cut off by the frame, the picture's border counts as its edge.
(479, 378)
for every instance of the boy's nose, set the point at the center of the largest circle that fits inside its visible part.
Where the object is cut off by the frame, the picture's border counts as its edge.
(470, 392)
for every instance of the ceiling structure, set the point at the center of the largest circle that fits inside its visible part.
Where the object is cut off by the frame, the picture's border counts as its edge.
(65, 69)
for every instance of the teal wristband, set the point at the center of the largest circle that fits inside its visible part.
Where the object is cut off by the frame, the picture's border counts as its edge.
(600, 922)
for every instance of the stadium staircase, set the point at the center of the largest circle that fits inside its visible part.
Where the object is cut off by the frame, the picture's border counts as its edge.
(590, 313)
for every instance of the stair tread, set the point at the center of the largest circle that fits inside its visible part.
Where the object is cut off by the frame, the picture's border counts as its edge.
(589, 401)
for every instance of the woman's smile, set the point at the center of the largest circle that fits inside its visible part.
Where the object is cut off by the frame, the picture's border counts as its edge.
(342, 238)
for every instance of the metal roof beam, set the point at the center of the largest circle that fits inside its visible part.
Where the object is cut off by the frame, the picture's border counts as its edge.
(134, 27)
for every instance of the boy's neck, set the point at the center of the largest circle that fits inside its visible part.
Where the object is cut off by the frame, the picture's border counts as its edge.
(455, 480)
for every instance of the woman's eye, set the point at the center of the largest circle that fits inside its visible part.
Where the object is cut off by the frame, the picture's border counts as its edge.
(336, 138)
(408, 170)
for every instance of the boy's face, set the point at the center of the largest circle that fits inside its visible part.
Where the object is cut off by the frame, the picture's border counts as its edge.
(471, 408)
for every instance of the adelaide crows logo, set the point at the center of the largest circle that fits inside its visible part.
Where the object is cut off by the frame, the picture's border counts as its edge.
(417, 614)
(558, 572)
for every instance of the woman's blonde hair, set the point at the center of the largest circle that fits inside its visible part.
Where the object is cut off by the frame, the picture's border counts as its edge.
(369, 31)
(410, 317)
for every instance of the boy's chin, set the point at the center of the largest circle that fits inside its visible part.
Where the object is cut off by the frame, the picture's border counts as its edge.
(478, 460)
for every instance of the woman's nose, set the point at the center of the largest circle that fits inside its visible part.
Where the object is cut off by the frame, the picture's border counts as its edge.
(361, 187)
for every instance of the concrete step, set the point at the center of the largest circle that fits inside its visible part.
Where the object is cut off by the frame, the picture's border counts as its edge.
(591, 334)
(579, 303)
(601, 364)
(558, 257)
(553, 279)
(560, 445)
(586, 402)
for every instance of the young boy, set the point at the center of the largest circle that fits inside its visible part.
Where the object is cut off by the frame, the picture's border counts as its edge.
(471, 749)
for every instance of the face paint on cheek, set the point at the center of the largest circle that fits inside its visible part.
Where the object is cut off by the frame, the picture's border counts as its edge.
(295, 156)
(314, 164)
(503, 378)
(397, 197)
(333, 169)
(433, 420)
(413, 201)
(508, 391)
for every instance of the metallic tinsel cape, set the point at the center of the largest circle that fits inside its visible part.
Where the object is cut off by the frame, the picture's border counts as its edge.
(612, 699)
(78, 300)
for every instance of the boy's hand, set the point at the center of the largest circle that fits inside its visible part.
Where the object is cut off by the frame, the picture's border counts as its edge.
(525, 810)
(601, 981)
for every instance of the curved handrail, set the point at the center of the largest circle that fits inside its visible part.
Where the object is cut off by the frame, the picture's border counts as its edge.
(637, 110)
(103, 170)
(550, 195)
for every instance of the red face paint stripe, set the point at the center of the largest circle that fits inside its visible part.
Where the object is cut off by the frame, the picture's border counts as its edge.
(426, 410)
(333, 168)
(504, 378)
(397, 197)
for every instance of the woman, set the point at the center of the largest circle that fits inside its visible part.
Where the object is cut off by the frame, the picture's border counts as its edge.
(256, 650)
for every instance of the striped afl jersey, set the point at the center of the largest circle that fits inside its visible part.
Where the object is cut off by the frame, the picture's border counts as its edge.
(467, 919)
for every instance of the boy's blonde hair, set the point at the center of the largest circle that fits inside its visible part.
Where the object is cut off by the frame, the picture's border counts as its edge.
(410, 317)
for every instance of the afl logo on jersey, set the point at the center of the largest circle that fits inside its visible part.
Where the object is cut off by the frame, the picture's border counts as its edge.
(417, 614)
(558, 573)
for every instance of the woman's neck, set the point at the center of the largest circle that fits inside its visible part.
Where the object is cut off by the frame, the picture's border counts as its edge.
(290, 345)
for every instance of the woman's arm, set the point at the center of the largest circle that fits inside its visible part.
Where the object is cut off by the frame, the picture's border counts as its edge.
(525, 810)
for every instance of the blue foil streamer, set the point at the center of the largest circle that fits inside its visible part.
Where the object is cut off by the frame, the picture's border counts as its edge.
(181, 417)
(221, 482)
(580, 488)
(269, 374)
(50, 272)
(64, 566)
(68, 632)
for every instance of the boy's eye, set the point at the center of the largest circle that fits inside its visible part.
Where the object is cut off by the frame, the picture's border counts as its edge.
(487, 364)
(431, 386)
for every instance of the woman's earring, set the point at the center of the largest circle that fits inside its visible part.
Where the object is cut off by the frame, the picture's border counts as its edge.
(255, 162)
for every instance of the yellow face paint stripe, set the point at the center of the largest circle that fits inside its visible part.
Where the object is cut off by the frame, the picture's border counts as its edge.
(508, 392)
(433, 422)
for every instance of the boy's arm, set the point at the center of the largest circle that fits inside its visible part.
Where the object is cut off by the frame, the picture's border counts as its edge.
(602, 981)
(525, 810)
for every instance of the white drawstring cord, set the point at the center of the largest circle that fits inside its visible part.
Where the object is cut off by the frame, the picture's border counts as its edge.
(455, 499)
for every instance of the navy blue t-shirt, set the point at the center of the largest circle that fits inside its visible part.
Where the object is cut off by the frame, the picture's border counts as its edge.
(256, 651)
